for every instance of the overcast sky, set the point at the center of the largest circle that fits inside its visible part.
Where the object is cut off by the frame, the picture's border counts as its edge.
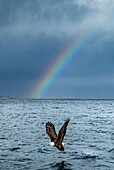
(33, 34)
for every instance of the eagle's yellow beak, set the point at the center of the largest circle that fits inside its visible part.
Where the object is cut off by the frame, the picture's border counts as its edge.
(65, 143)
(49, 144)
(63, 152)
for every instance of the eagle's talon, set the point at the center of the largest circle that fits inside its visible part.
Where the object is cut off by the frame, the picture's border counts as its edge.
(63, 152)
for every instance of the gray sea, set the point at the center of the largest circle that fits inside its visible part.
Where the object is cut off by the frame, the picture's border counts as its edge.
(24, 142)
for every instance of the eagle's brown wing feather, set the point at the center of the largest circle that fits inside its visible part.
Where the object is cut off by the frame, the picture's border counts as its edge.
(50, 129)
(62, 132)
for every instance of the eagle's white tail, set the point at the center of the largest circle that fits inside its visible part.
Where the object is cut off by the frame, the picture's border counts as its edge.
(64, 144)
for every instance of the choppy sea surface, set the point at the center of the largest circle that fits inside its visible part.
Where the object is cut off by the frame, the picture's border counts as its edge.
(24, 142)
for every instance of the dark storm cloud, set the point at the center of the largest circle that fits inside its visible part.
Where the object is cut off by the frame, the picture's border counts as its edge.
(25, 42)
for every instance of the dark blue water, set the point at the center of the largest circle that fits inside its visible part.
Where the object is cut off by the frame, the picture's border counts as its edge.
(24, 142)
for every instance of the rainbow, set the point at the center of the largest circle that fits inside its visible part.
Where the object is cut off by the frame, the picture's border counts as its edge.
(72, 51)
(57, 66)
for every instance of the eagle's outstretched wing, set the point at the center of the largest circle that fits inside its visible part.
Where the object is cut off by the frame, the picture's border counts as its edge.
(50, 129)
(62, 132)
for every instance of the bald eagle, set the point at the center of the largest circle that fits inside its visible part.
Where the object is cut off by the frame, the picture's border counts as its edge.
(57, 140)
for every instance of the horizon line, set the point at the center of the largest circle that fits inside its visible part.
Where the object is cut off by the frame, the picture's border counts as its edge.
(58, 98)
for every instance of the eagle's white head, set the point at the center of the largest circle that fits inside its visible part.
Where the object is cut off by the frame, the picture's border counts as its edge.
(51, 143)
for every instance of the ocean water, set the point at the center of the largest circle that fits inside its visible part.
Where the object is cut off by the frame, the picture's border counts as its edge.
(24, 142)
